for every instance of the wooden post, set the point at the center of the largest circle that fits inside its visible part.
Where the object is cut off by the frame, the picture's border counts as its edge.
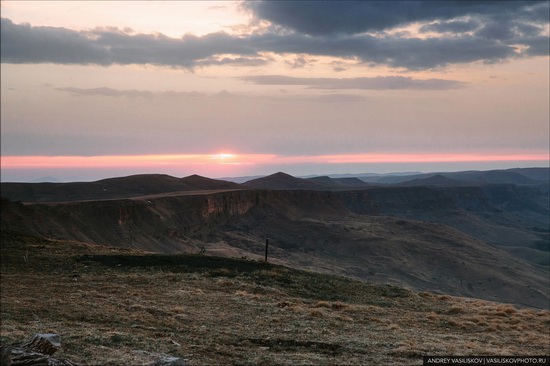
(266, 244)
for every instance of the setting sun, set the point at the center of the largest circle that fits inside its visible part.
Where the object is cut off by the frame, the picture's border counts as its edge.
(223, 156)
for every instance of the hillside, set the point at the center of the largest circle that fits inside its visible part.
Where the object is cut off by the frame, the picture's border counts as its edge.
(438, 180)
(285, 181)
(519, 176)
(540, 174)
(514, 218)
(345, 233)
(117, 307)
(112, 188)
(340, 183)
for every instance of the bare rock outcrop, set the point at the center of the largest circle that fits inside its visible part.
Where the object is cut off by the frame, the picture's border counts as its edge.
(36, 351)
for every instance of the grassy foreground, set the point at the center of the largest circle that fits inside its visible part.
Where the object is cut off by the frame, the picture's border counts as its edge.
(120, 307)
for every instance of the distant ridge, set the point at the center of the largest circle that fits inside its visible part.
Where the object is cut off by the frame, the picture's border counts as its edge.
(140, 183)
(493, 176)
(48, 179)
(438, 180)
(282, 180)
(519, 176)
(351, 182)
(120, 187)
(541, 174)
(203, 183)
(242, 179)
(150, 184)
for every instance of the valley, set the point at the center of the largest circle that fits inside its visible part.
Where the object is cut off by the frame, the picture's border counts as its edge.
(487, 241)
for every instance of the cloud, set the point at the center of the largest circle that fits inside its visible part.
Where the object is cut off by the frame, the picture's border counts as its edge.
(490, 34)
(298, 62)
(133, 93)
(22, 43)
(537, 46)
(236, 61)
(353, 17)
(469, 31)
(409, 53)
(365, 83)
(451, 26)
(130, 93)
(107, 92)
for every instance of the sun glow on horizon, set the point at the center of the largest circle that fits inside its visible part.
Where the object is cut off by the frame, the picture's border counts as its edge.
(223, 156)
(160, 160)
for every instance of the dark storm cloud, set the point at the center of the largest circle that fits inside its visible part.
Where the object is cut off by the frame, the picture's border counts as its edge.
(372, 83)
(352, 17)
(161, 50)
(486, 32)
(537, 46)
(496, 30)
(410, 53)
(22, 43)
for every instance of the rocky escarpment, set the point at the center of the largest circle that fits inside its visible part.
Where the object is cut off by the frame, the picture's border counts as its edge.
(168, 224)
(344, 232)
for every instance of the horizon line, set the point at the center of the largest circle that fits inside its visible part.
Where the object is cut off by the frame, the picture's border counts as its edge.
(163, 160)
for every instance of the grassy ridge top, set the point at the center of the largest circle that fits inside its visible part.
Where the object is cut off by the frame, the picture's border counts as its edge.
(124, 307)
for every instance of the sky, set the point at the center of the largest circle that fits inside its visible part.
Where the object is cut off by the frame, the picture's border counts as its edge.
(97, 89)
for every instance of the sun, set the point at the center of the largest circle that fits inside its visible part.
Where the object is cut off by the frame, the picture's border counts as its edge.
(223, 156)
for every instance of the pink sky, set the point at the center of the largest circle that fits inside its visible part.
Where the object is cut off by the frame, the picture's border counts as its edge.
(212, 160)
(226, 164)
(116, 88)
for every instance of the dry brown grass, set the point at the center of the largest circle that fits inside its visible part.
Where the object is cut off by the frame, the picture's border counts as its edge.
(241, 313)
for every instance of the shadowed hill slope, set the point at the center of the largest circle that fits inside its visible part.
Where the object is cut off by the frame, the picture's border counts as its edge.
(519, 176)
(438, 180)
(540, 174)
(285, 181)
(122, 187)
(341, 183)
(202, 183)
